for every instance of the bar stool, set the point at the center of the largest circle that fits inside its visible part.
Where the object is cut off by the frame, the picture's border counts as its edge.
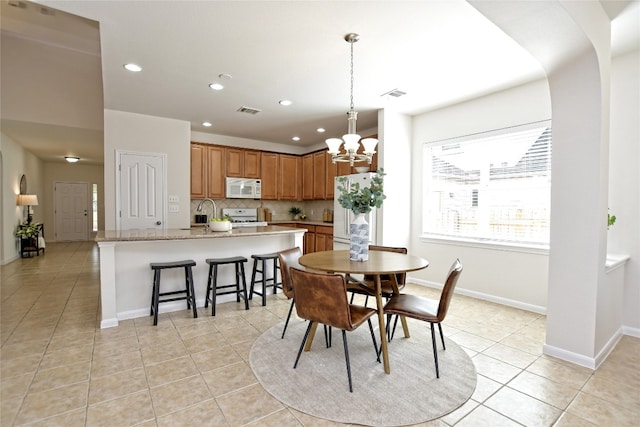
(260, 266)
(212, 281)
(189, 293)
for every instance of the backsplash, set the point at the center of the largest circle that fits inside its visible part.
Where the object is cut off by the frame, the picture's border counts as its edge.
(279, 209)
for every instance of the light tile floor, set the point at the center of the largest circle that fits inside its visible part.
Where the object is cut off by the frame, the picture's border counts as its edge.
(59, 368)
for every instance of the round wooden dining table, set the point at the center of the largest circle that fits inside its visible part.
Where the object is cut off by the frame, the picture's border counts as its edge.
(379, 263)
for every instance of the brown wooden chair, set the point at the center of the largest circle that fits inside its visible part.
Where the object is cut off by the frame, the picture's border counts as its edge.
(322, 298)
(426, 309)
(288, 258)
(367, 285)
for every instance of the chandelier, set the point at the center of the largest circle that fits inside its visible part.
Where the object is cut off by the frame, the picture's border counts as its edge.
(351, 139)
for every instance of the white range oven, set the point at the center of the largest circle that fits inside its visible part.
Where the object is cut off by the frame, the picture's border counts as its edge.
(245, 217)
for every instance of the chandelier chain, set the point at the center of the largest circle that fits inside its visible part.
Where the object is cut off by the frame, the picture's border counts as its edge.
(351, 43)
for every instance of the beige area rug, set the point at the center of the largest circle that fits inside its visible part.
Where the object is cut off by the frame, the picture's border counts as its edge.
(411, 394)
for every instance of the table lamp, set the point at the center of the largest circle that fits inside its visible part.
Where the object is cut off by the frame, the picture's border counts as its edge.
(28, 200)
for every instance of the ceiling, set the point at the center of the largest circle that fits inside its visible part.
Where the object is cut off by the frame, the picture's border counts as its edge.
(62, 65)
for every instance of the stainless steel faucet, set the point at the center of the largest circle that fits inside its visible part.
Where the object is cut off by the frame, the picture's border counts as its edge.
(213, 204)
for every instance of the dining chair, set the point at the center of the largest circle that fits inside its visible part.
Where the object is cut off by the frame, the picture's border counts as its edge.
(427, 309)
(289, 258)
(367, 285)
(322, 298)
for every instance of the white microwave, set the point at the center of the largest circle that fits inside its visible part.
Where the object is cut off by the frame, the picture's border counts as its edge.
(243, 188)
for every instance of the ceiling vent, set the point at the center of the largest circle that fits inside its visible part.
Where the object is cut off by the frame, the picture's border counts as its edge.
(248, 110)
(396, 93)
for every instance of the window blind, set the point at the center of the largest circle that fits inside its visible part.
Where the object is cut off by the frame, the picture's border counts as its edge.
(492, 186)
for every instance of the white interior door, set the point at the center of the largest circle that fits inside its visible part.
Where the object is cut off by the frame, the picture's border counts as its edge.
(142, 190)
(71, 211)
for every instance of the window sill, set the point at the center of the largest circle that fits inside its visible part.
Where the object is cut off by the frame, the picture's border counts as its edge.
(486, 244)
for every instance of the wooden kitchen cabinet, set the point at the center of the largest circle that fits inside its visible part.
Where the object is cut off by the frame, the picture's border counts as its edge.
(252, 164)
(314, 177)
(324, 238)
(269, 175)
(198, 171)
(319, 176)
(235, 162)
(289, 176)
(215, 172)
(307, 177)
(330, 175)
(207, 171)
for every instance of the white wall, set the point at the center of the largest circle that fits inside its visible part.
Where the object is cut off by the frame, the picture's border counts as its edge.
(15, 162)
(624, 178)
(394, 150)
(516, 278)
(141, 133)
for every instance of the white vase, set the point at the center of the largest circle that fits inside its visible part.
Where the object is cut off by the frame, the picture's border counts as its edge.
(359, 238)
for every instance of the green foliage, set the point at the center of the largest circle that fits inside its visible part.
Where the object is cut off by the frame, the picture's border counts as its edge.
(28, 230)
(611, 219)
(361, 200)
(295, 211)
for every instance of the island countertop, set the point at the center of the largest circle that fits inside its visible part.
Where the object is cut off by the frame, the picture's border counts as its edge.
(188, 233)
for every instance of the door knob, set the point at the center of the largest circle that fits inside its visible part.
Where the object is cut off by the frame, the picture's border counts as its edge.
(158, 222)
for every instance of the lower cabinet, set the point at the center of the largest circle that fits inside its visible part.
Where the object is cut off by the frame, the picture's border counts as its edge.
(317, 238)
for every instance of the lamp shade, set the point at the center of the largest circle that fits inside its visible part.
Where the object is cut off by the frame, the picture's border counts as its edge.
(27, 200)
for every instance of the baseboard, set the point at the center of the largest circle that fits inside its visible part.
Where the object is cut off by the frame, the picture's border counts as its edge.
(108, 323)
(169, 307)
(632, 332)
(486, 297)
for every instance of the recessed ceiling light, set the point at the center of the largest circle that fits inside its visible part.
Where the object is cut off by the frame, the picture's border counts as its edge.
(207, 124)
(225, 76)
(296, 138)
(133, 67)
(71, 159)
(216, 86)
(320, 130)
(285, 102)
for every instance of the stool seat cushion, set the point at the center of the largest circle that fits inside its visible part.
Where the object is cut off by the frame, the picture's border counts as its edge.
(265, 256)
(173, 264)
(230, 260)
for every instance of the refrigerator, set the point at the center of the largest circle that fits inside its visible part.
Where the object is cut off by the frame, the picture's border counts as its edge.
(342, 217)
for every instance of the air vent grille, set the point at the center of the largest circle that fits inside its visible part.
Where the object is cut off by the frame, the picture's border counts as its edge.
(396, 93)
(248, 110)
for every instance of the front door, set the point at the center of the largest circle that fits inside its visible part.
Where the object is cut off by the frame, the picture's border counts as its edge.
(142, 190)
(71, 211)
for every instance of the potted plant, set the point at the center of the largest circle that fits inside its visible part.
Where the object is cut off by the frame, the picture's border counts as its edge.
(28, 231)
(360, 200)
(611, 219)
(295, 212)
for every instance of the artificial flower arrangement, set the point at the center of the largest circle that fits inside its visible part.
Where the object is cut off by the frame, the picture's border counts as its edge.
(362, 200)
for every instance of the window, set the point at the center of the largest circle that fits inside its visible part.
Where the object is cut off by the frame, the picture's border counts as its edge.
(493, 186)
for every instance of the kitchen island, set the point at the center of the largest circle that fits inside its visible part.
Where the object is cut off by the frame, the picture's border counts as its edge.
(126, 278)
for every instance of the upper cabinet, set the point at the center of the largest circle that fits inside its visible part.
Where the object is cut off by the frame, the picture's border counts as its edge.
(235, 162)
(207, 171)
(269, 166)
(243, 163)
(307, 177)
(284, 176)
(289, 177)
(252, 165)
